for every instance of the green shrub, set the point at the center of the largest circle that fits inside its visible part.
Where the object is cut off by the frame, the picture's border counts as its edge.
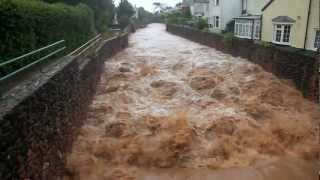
(178, 18)
(201, 23)
(265, 44)
(27, 25)
(229, 39)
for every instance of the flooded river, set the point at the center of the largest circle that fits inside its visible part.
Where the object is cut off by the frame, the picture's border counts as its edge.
(168, 108)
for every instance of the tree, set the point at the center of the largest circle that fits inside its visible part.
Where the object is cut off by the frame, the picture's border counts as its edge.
(125, 8)
(103, 10)
(144, 17)
(71, 2)
(125, 12)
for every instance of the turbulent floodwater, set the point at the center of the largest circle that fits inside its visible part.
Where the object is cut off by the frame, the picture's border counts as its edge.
(168, 108)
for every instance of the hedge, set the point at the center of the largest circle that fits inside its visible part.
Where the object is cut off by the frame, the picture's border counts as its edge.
(26, 25)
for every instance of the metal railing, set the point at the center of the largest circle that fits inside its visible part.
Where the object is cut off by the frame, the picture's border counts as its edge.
(86, 46)
(56, 48)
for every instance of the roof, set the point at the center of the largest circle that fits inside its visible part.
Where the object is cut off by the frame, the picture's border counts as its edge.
(283, 19)
(201, 1)
(267, 5)
(249, 17)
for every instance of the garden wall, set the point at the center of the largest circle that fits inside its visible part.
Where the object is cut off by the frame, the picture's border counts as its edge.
(288, 63)
(39, 118)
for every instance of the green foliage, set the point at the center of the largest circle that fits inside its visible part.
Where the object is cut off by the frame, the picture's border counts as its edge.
(71, 2)
(145, 17)
(125, 12)
(265, 44)
(201, 23)
(30, 24)
(229, 39)
(103, 12)
(185, 18)
(124, 21)
(187, 13)
(159, 18)
(178, 17)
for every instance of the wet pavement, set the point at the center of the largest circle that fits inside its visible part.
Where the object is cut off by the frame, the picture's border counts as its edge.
(168, 108)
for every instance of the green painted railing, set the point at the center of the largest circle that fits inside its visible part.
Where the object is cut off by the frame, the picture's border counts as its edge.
(23, 63)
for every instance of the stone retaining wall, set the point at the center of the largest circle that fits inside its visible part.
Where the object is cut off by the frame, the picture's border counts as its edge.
(289, 63)
(40, 117)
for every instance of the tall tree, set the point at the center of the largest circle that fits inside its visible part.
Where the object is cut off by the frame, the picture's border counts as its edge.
(103, 10)
(125, 8)
(71, 2)
(125, 12)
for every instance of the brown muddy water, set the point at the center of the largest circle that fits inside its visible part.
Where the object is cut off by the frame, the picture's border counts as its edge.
(168, 108)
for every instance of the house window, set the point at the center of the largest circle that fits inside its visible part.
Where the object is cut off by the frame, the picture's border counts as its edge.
(216, 21)
(243, 28)
(317, 40)
(216, 2)
(282, 33)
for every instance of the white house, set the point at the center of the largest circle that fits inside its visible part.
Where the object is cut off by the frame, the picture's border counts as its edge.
(248, 24)
(221, 12)
(200, 8)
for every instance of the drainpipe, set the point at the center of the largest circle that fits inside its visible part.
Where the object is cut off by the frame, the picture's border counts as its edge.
(252, 29)
(261, 24)
(306, 35)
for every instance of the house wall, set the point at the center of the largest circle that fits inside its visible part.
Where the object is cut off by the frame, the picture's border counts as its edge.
(230, 10)
(197, 8)
(214, 11)
(254, 7)
(296, 9)
(313, 24)
(227, 10)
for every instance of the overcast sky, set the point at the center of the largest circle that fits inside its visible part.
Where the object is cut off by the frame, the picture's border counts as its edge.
(147, 4)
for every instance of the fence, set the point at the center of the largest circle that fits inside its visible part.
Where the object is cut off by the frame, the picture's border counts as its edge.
(39, 117)
(12, 67)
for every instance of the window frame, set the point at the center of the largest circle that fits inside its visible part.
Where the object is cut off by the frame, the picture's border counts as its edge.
(243, 29)
(282, 31)
(215, 24)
